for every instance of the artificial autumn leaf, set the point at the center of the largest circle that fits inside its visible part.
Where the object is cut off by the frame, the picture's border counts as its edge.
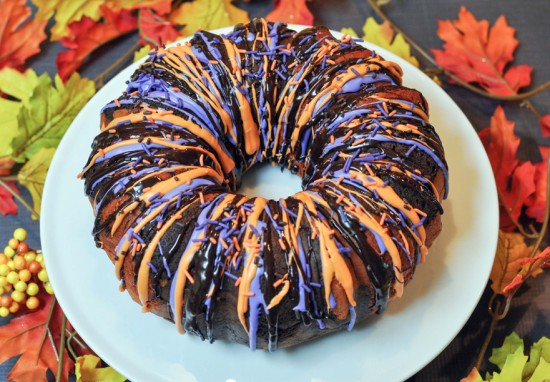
(87, 35)
(66, 12)
(514, 364)
(515, 182)
(19, 39)
(33, 174)
(545, 125)
(510, 262)
(19, 87)
(87, 370)
(536, 203)
(207, 15)
(539, 354)
(160, 7)
(155, 29)
(292, 12)
(477, 53)
(23, 336)
(49, 113)
(6, 164)
(7, 204)
(385, 37)
(142, 52)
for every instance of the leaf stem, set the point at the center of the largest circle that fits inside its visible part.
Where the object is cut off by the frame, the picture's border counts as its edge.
(61, 348)
(19, 199)
(99, 81)
(499, 306)
(47, 323)
(429, 58)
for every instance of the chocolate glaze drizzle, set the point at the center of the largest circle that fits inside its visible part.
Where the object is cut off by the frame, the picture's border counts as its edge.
(164, 171)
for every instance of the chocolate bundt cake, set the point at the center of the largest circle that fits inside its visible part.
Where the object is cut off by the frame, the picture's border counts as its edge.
(165, 169)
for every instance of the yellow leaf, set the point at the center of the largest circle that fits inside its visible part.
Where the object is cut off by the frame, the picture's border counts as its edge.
(509, 261)
(349, 31)
(86, 370)
(384, 36)
(207, 15)
(33, 174)
(19, 86)
(142, 52)
(66, 11)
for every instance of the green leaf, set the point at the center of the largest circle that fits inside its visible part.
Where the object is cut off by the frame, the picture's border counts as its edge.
(512, 368)
(349, 31)
(19, 86)
(142, 52)
(48, 114)
(33, 174)
(540, 351)
(542, 372)
(86, 370)
(511, 343)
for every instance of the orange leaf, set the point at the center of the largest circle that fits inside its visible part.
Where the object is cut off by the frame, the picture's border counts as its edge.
(23, 335)
(18, 39)
(161, 7)
(156, 29)
(510, 261)
(7, 204)
(475, 52)
(292, 12)
(515, 181)
(87, 35)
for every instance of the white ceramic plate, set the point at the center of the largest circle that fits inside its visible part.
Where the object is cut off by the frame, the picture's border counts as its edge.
(393, 347)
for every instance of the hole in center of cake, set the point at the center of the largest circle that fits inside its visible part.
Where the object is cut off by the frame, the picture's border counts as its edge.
(269, 182)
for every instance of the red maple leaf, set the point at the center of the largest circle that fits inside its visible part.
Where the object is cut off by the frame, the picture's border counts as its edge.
(25, 336)
(155, 29)
(18, 39)
(536, 203)
(87, 35)
(292, 12)
(7, 204)
(475, 52)
(545, 125)
(515, 181)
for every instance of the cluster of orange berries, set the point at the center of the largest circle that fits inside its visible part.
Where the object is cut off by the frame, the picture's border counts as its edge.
(22, 276)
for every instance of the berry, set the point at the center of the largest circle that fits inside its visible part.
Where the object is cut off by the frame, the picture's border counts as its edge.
(33, 303)
(39, 258)
(3, 281)
(4, 259)
(29, 256)
(4, 312)
(33, 289)
(19, 262)
(5, 301)
(20, 234)
(14, 308)
(4, 269)
(9, 251)
(34, 267)
(25, 275)
(43, 275)
(20, 286)
(22, 248)
(13, 243)
(48, 287)
(7, 288)
(12, 277)
(18, 296)
(10, 265)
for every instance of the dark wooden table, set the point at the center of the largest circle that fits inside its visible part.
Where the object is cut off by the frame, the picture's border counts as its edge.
(529, 314)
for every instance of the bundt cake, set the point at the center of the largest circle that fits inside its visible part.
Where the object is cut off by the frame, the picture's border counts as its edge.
(164, 172)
